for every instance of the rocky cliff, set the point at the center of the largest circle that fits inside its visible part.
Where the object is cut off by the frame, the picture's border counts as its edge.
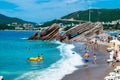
(50, 33)
(77, 33)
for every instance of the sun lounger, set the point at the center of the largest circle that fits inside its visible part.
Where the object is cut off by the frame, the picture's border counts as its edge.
(110, 78)
(109, 61)
(114, 75)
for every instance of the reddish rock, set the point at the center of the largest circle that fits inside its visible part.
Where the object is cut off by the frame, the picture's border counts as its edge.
(50, 33)
(77, 33)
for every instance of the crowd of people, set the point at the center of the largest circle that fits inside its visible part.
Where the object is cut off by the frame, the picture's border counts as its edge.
(114, 51)
(94, 43)
(91, 45)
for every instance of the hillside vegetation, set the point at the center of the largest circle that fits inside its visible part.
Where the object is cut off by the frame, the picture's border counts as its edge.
(8, 20)
(102, 15)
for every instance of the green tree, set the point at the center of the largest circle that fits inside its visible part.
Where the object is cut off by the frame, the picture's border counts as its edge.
(4, 26)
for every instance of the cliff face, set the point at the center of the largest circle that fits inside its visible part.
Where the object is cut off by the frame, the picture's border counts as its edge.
(77, 33)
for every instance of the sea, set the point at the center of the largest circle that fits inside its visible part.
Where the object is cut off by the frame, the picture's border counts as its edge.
(113, 33)
(15, 49)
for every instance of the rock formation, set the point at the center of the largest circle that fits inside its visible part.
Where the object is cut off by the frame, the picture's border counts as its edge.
(83, 31)
(77, 33)
(50, 33)
(35, 36)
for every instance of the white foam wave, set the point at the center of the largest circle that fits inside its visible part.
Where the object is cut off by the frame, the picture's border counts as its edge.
(59, 69)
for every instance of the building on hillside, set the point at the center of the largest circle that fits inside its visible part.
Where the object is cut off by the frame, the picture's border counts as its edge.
(18, 28)
(8, 24)
(27, 26)
(14, 24)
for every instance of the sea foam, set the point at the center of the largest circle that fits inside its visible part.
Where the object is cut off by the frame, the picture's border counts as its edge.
(58, 70)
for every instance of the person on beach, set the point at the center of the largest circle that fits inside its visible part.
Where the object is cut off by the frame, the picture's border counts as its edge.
(92, 51)
(118, 48)
(115, 55)
(92, 47)
(86, 56)
(95, 58)
(96, 43)
(85, 50)
(109, 39)
(87, 41)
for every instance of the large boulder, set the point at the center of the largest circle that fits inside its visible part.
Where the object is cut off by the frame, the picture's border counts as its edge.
(50, 33)
(35, 36)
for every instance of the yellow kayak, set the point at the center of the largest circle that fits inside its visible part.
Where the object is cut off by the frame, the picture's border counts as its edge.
(36, 58)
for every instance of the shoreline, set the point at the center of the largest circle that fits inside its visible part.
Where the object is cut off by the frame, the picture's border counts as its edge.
(93, 72)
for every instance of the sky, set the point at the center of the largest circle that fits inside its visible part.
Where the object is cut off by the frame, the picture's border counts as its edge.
(45, 10)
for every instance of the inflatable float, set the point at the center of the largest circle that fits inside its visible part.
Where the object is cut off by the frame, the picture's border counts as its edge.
(35, 58)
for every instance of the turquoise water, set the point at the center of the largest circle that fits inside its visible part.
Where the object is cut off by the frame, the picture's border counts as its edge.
(58, 58)
(13, 53)
(113, 33)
